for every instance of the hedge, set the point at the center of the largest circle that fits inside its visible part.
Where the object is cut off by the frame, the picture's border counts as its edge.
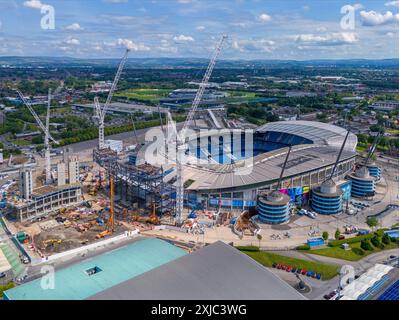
(337, 243)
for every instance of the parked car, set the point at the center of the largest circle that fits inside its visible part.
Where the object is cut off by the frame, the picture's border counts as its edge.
(303, 272)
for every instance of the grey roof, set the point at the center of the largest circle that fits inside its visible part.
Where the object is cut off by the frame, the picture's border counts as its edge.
(215, 272)
(266, 167)
(318, 132)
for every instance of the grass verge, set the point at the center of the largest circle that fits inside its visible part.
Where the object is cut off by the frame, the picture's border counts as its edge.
(327, 271)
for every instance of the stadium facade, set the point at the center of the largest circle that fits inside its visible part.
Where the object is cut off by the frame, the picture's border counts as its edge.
(216, 184)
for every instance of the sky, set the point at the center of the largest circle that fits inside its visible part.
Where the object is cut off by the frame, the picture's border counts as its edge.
(256, 29)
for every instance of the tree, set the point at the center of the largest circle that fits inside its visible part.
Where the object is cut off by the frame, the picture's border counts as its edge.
(386, 239)
(259, 237)
(372, 222)
(325, 235)
(366, 245)
(337, 234)
(376, 241)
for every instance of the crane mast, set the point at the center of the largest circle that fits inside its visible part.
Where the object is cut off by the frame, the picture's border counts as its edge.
(47, 141)
(181, 137)
(101, 112)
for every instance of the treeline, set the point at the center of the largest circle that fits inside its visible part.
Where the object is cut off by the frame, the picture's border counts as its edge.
(253, 113)
(92, 132)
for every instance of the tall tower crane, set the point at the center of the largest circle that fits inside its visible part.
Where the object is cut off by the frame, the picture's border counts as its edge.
(181, 137)
(101, 111)
(45, 129)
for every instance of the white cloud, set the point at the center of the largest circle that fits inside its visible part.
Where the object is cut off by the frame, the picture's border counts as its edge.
(34, 4)
(392, 4)
(357, 6)
(390, 34)
(200, 28)
(129, 44)
(264, 17)
(184, 1)
(373, 18)
(259, 45)
(330, 39)
(183, 38)
(72, 41)
(74, 27)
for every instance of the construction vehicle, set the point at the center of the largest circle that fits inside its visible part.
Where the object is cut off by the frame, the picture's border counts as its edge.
(50, 242)
(111, 222)
(154, 218)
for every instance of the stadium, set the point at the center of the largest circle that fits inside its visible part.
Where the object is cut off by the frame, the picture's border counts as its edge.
(227, 170)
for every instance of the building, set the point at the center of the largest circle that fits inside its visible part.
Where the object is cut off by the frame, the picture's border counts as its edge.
(375, 284)
(73, 169)
(61, 176)
(273, 207)
(114, 145)
(214, 182)
(92, 276)
(215, 272)
(363, 185)
(25, 183)
(45, 200)
(387, 105)
(328, 198)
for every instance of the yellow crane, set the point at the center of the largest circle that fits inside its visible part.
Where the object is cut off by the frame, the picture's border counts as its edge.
(111, 222)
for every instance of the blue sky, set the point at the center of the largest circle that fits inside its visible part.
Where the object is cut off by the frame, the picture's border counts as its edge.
(257, 29)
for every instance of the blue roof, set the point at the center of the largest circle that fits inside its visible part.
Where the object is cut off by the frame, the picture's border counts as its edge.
(117, 266)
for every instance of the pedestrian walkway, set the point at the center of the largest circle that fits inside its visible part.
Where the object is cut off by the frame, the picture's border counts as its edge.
(13, 260)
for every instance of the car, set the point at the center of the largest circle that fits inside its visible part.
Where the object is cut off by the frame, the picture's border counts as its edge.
(298, 271)
(318, 276)
(289, 269)
(309, 273)
(314, 275)
(294, 270)
(303, 272)
(392, 257)
(278, 266)
(274, 265)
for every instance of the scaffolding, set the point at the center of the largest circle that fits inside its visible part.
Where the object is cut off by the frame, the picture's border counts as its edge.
(138, 186)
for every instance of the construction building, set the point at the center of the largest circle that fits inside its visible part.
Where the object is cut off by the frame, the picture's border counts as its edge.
(47, 199)
(26, 182)
(73, 169)
(61, 177)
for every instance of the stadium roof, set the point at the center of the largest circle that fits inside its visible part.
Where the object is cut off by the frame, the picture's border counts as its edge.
(265, 167)
(117, 266)
(319, 132)
(215, 272)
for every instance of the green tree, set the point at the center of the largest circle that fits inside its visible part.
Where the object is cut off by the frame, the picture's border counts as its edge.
(325, 235)
(372, 222)
(337, 234)
(366, 245)
(259, 237)
(386, 239)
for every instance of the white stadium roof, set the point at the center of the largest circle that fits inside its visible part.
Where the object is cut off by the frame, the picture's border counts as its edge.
(319, 132)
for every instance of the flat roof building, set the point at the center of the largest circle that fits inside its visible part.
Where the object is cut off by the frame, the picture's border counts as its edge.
(215, 272)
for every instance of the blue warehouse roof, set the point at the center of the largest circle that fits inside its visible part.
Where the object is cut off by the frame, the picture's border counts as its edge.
(117, 266)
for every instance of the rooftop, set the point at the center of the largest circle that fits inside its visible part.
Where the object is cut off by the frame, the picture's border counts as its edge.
(215, 272)
(114, 267)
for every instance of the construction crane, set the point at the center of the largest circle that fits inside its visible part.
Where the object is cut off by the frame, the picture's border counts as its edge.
(280, 180)
(110, 226)
(182, 136)
(45, 129)
(339, 156)
(101, 111)
(374, 147)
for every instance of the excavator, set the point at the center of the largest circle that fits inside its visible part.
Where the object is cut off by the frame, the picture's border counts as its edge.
(111, 222)
(153, 218)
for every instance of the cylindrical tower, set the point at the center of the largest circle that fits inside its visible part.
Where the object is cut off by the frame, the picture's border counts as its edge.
(327, 198)
(363, 185)
(273, 207)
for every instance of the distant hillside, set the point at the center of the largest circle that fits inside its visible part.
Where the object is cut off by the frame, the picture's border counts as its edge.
(194, 62)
